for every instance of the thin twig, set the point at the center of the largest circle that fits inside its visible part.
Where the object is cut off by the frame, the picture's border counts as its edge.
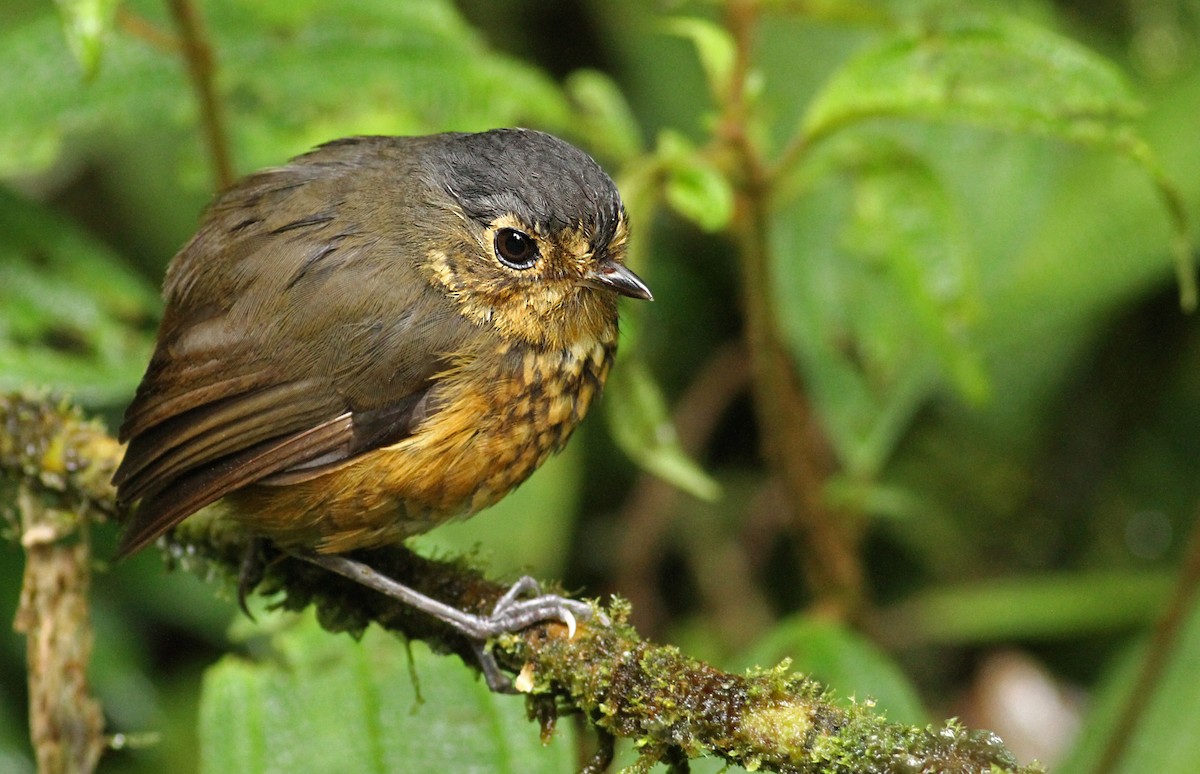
(197, 53)
(1162, 642)
(143, 29)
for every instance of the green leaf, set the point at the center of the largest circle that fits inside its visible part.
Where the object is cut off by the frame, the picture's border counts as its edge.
(605, 118)
(73, 317)
(325, 703)
(289, 75)
(715, 47)
(1161, 741)
(695, 187)
(877, 294)
(1069, 604)
(641, 425)
(1002, 73)
(87, 24)
(842, 660)
(903, 223)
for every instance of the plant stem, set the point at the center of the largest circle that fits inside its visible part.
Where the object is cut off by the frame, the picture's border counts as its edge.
(794, 442)
(142, 29)
(198, 55)
(1162, 642)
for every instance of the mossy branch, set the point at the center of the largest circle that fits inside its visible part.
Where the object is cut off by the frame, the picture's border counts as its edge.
(673, 707)
(61, 466)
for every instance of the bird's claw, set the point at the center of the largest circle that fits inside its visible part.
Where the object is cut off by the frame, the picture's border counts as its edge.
(524, 605)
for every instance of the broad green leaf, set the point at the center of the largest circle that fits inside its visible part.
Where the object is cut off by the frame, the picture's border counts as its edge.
(842, 660)
(695, 187)
(1164, 739)
(701, 194)
(87, 24)
(289, 76)
(325, 703)
(72, 316)
(903, 223)
(604, 117)
(641, 425)
(1002, 73)
(996, 71)
(715, 47)
(1064, 240)
(877, 295)
(1060, 238)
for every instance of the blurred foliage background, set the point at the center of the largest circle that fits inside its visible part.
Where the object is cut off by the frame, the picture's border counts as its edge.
(915, 406)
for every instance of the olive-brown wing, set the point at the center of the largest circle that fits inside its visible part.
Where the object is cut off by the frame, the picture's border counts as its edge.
(297, 335)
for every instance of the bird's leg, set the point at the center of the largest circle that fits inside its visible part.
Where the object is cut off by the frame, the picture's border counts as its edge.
(514, 611)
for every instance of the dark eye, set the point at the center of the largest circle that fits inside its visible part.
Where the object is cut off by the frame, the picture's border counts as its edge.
(516, 249)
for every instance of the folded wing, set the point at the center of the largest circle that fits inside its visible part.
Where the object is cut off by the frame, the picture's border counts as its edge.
(297, 336)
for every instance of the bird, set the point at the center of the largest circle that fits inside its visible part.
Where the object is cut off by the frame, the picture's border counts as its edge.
(378, 336)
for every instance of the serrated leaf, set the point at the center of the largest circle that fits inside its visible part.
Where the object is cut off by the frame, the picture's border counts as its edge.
(326, 703)
(1007, 74)
(72, 316)
(641, 425)
(903, 223)
(877, 296)
(996, 71)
